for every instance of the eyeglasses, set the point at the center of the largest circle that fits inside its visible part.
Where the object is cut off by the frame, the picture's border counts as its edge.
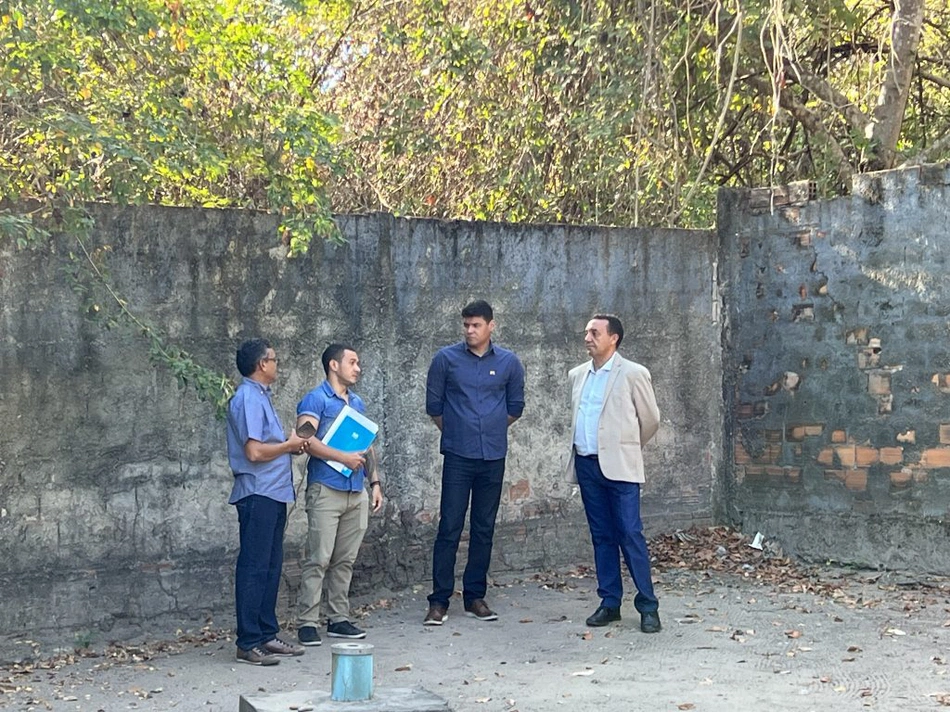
(275, 359)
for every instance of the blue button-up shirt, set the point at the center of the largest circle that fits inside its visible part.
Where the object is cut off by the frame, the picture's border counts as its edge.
(588, 410)
(475, 395)
(325, 405)
(251, 416)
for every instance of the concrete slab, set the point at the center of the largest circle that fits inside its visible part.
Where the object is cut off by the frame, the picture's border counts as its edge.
(393, 699)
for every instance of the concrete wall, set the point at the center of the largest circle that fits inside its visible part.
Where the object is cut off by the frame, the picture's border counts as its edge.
(837, 368)
(113, 481)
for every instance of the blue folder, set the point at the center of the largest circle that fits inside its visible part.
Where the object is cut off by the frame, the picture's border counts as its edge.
(351, 431)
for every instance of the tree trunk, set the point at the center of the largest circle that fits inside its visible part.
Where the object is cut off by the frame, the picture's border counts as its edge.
(885, 126)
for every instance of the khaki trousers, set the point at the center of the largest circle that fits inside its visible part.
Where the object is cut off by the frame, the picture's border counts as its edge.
(336, 524)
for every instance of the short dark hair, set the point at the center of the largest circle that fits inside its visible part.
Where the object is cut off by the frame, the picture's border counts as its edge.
(251, 353)
(333, 352)
(613, 325)
(478, 308)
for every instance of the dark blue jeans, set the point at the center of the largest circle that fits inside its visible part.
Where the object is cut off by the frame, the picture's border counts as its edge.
(613, 515)
(465, 480)
(257, 577)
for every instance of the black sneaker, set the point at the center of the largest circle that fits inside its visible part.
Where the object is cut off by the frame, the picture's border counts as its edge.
(344, 629)
(308, 635)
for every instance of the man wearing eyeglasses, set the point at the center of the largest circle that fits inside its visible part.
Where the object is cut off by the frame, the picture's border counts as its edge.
(260, 457)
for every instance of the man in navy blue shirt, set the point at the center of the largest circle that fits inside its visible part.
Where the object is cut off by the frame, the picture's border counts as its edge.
(260, 458)
(474, 392)
(337, 503)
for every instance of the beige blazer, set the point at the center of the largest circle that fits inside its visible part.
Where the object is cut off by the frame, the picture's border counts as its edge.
(629, 419)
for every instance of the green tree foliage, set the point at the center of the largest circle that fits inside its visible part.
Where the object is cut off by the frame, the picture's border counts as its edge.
(626, 112)
(199, 103)
(631, 112)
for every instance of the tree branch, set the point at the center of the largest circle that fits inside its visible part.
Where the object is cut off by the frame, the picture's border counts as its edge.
(813, 123)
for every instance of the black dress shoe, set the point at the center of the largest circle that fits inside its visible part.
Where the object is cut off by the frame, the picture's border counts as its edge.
(650, 622)
(603, 616)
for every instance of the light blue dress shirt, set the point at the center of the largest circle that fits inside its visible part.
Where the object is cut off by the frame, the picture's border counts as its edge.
(588, 411)
(251, 416)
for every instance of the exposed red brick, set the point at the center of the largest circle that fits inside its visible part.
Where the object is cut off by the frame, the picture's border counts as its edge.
(845, 455)
(945, 433)
(935, 457)
(745, 411)
(865, 456)
(773, 436)
(835, 474)
(793, 474)
(753, 470)
(892, 455)
(826, 456)
(856, 480)
(812, 430)
(901, 478)
(774, 470)
(519, 490)
(907, 437)
(796, 432)
(838, 436)
(741, 455)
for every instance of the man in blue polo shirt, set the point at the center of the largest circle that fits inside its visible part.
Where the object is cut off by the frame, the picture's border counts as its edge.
(260, 458)
(337, 504)
(474, 392)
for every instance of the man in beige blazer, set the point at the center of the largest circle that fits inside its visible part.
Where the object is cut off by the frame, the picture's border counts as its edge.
(613, 414)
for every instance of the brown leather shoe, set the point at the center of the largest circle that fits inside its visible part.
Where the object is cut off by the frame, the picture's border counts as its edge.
(437, 615)
(478, 608)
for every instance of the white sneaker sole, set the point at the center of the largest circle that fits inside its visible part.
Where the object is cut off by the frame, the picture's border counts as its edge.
(492, 617)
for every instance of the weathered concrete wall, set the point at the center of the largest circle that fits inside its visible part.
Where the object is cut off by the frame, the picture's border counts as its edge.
(837, 368)
(113, 482)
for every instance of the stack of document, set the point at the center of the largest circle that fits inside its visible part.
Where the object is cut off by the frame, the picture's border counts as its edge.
(351, 431)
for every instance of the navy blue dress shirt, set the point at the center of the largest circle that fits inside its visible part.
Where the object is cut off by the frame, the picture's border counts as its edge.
(475, 395)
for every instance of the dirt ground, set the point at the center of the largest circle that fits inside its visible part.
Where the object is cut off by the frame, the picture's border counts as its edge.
(742, 630)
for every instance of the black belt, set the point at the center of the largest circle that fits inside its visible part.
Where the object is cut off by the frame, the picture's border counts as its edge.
(586, 457)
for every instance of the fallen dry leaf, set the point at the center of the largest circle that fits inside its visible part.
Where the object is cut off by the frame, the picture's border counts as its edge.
(582, 673)
(587, 635)
(404, 668)
(686, 706)
(526, 620)
(793, 633)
